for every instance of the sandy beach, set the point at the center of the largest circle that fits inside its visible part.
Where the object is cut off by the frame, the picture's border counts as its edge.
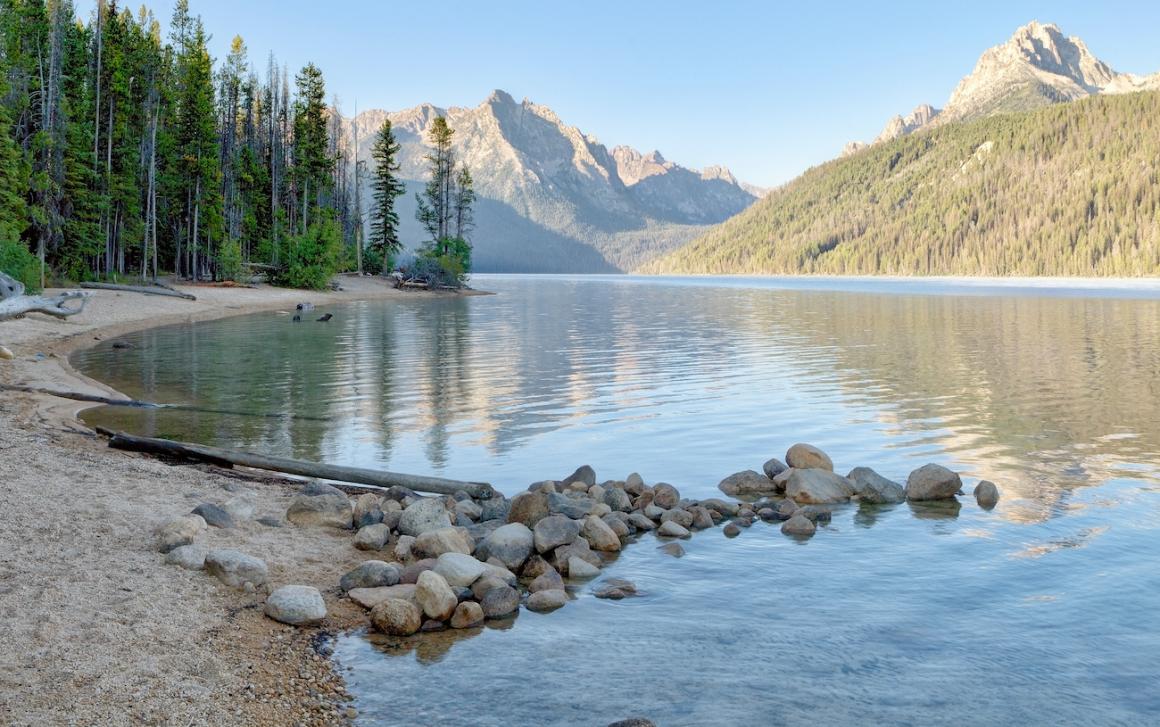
(95, 629)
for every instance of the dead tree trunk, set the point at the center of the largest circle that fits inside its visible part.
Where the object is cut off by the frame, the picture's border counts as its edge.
(14, 303)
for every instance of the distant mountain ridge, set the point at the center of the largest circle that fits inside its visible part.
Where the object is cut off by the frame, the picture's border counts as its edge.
(552, 198)
(1036, 67)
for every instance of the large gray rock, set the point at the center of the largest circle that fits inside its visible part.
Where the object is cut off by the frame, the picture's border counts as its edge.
(580, 568)
(584, 474)
(619, 525)
(368, 510)
(873, 488)
(328, 510)
(435, 596)
(214, 516)
(423, 516)
(640, 522)
(672, 529)
(496, 508)
(634, 484)
(747, 483)
(178, 532)
(546, 601)
(468, 509)
(296, 605)
(554, 531)
(371, 597)
(396, 617)
(932, 482)
(799, 526)
(511, 544)
(807, 456)
(315, 488)
(617, 499)
(818, 486)
(235, 568)
(372, 537)
(578, 548)
(773, 468)
(572, 506)
(548, 581)
(189, 557)
(684, 518)
(459, 569)
(499, 602)
(666, 496)
(434, 543)
(528, 508)
(599, 535)
(370, 574)
(986, 494)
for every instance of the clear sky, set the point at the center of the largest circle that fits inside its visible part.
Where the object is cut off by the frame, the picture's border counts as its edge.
(767, 89)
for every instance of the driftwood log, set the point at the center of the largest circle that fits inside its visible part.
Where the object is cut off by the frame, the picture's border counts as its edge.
(142, 289)
(14, 303)
(219, 456)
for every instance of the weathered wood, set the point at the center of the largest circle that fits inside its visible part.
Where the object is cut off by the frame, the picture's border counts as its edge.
(14, 303)
(217, 455)
(142, 289)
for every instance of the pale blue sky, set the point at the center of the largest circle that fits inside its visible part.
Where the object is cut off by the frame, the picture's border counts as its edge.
(763, 88)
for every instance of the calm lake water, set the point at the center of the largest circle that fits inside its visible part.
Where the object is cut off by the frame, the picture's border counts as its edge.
(1041, 612)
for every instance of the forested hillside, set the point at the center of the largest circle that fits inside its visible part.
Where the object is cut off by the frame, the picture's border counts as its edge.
(1072, 189)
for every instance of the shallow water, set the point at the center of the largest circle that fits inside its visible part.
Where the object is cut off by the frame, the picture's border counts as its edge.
(1037, 613)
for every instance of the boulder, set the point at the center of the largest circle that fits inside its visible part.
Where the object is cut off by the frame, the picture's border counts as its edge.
(498, 571)
(189, 557)
(616, 524)
(808, 457)
(654, 512)
(773, 468)
(546, 601)
(535, 567)
(372, 537)
(554, 531)
(550, 580)
(798, 526)
(615, 589)
(634, 484)
(702, 517)
(296, 605)
(873, 488)
(528, 508)
(328, 510)
(315, 488)
(402, 549)
(435, 543)
(684, 518)
(575, 506)
(731, 530)
(578, 548)
(666, 496)
(818, 486)
(214, 516)
(179, 531)
(495, 509)
(932, 482)
(368, 510)
(673, 549)
(467, 615)
(786, 508)
(396, 617)
(986, 494)
(618, 500)
(580, 568)
(583, 474)
(480, 588)
(599, 535)
(716, 504)
(459, 569)
(499, 602)
(370, 574)
(596, 492)
(672, 529)
(435, 596)
(239, 507)
(423, 516)
(511, 544)
(747, 483)
(640, 522)
(468, 509)
(235, 568)
(413, 570)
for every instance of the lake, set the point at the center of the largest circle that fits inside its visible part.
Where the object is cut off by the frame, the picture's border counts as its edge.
(1036, 613)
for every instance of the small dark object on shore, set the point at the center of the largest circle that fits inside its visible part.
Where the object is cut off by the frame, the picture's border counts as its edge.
(123, 344)
(297, 318)
(305, 306)
(325, 318)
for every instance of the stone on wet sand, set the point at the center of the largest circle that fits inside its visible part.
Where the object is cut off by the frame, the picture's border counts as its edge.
(396, 617)
(499, 602)
(435, 596)
(459, 569)
(368, 510)
(672, 529)
(932, 482)
(580, 568)
(546, 582)
(554, 531)
(875, 489)
(986, 494)
(512, 544)
(807, 457)
(372, 537)
(315, 488)
(773, 468)
(235, 568)
(599, 535)
(370, 574)
(799, 526)
(296, 605)
(327, 510)
(673, 549)
(423, 516)
(467, 615)
(528, 508)
(179, 531)
(548, 600)
(189, 557)
(818, 486)
(747, 483)
(666, 496)
(214, 516)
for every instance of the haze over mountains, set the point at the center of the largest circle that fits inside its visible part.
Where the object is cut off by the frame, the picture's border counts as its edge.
(552, 198)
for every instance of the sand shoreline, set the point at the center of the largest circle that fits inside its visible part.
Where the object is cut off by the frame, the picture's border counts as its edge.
(95, 629)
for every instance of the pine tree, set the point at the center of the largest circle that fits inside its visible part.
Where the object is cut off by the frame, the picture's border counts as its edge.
(464, 201)
(435, 203)
(387, 187)
(312, 162)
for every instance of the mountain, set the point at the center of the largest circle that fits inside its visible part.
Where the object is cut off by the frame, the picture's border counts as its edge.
(1038, 66)
(1067, 189)
(552, 198)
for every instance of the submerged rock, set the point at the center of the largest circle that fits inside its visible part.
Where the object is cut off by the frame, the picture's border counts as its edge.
(731, 530)
(673, 549)
(986, 494)
(296, 605)
(807, 456)
(873, 488)
(932, 482)
(615, 589)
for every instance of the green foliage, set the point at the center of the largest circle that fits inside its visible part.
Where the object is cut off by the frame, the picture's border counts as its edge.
(435, 209)
(445, 263)
(312, 258)
(312, 160)
(387, 187)
(1070, 189)
(18, 262)
(373, 262)
(230, 259)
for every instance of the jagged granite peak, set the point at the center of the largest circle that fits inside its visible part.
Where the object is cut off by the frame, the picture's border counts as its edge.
(922, 115)
(551, 197)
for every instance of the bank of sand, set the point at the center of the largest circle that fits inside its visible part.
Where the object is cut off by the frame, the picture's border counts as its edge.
(94, 629)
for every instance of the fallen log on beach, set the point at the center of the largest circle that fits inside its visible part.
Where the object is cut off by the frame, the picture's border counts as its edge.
(142, 289)
(358, 475)
(14, 303)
